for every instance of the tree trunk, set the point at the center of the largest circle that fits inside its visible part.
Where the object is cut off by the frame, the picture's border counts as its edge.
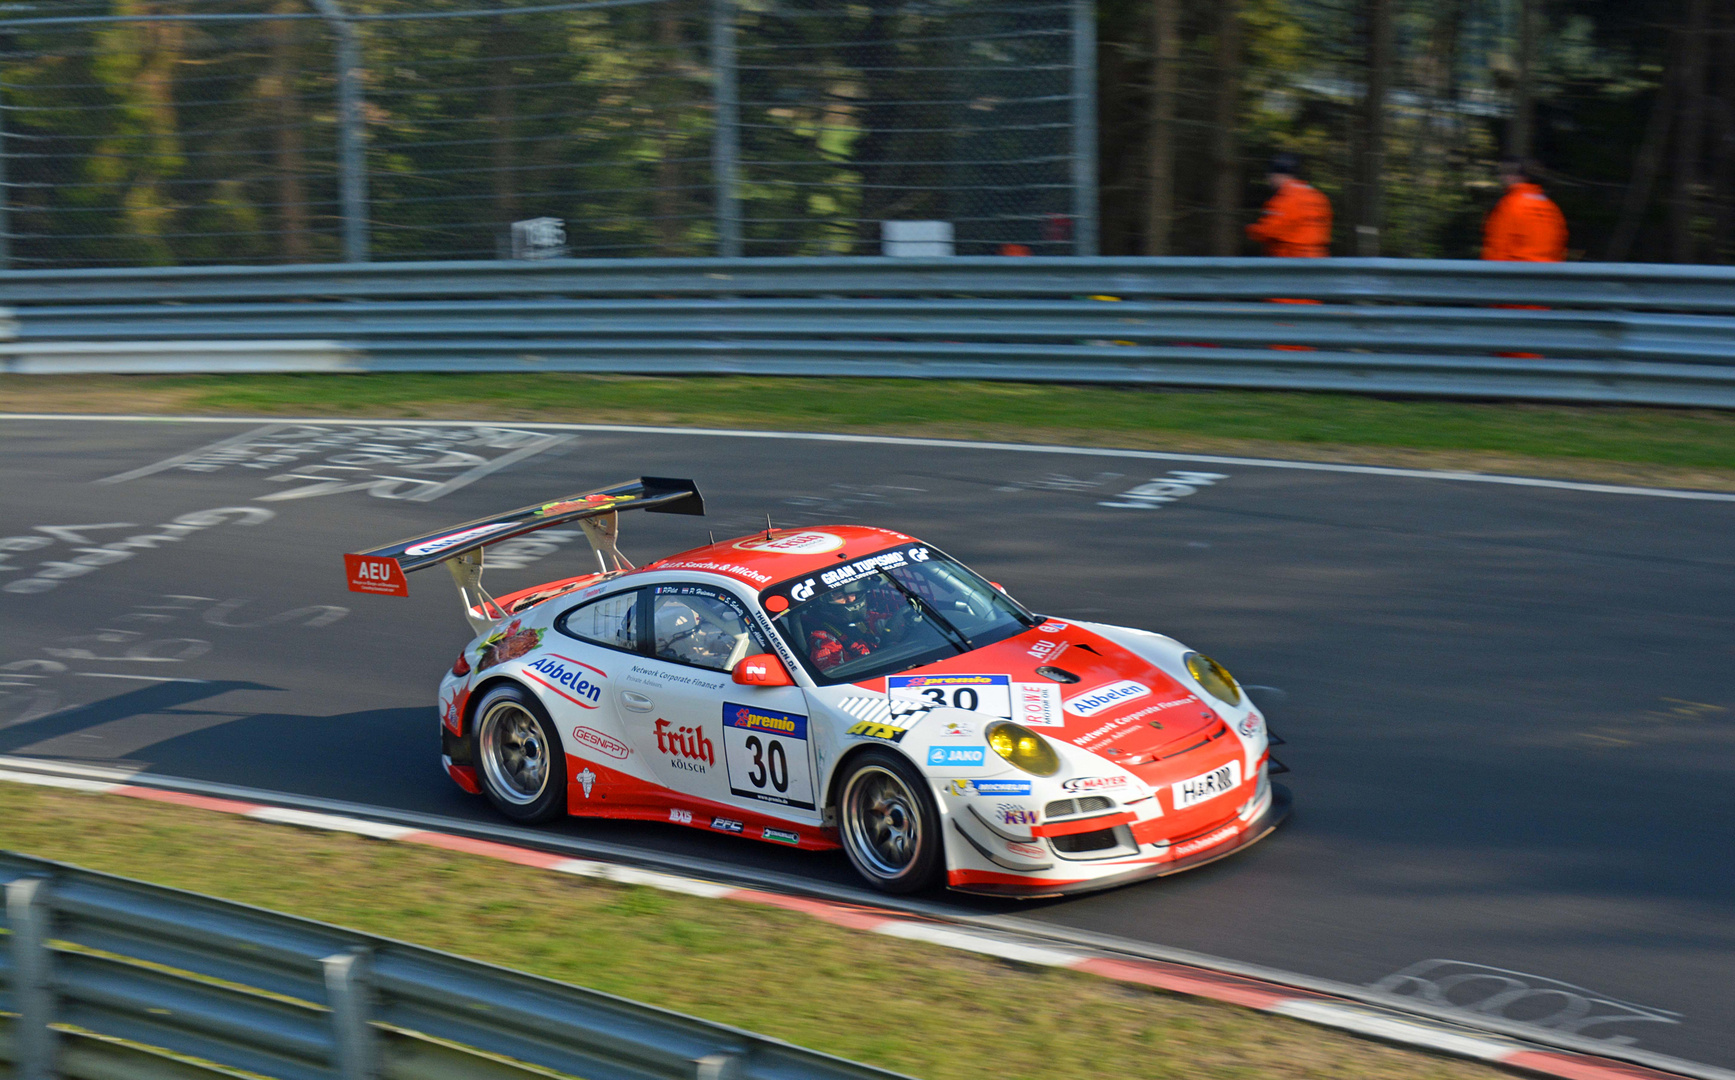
(1520, 137)
(503, 106)
(1226, 166)
(150, 208)
(668, 195)
(1165, 79)
(1371, 208)
(1647, 163)
(285, 116)
(1434, 155)
(1723, 144)
(1688, 132)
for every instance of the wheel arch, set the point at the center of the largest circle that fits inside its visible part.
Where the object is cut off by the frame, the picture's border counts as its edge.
(838, 770)
(478, 692)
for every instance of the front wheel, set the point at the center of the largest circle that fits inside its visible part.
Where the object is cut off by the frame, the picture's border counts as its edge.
(889, 824)
(522, 764)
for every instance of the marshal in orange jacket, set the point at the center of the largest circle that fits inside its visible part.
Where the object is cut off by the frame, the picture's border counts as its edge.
(1524, 226)
(1296, 223)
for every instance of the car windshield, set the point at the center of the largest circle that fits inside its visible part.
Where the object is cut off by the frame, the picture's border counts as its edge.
(889, 612)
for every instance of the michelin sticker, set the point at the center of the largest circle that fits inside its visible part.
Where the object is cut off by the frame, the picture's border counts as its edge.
(990, 787)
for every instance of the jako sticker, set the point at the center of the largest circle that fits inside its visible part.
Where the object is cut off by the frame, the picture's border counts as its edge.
(957, 757)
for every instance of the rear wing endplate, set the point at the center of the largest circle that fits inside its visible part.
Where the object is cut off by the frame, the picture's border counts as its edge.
(381, 570)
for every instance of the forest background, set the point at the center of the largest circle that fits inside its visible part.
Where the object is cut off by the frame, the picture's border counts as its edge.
(203, 131)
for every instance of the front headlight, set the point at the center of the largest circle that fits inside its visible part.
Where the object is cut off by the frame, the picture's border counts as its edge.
(1024, 748)
(1214, 677)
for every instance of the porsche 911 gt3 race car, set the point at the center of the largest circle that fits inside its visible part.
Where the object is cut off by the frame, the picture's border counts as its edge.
(839, 686)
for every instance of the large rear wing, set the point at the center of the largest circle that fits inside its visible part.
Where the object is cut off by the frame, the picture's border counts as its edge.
(381, 570)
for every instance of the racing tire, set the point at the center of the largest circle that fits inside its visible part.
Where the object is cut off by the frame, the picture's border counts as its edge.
(519, 756)
(889, 824)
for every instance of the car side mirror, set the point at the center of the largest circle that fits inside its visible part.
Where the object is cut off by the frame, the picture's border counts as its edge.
(762, 669)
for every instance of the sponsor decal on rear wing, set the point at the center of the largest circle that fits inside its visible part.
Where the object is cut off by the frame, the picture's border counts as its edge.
(382, 569)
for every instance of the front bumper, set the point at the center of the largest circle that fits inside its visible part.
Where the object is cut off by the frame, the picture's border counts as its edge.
(1036, 886)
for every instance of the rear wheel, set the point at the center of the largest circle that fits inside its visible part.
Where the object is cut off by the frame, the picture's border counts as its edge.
(519, 756)
(889, 824)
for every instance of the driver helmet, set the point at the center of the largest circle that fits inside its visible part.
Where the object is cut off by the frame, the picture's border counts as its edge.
(674, 619)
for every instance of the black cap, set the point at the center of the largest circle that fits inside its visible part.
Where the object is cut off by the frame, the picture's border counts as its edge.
(1286, 163)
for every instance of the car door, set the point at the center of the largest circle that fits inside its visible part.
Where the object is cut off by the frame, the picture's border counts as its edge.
(744, 745)
(581, 675)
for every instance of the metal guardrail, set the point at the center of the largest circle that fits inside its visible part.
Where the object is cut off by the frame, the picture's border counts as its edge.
(105, 977)
(1639, 333)
(1630, 286)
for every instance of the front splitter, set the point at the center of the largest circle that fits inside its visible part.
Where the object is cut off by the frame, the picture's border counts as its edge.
(1261, 827)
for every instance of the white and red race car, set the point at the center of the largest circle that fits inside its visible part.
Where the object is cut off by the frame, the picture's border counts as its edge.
(839, 686)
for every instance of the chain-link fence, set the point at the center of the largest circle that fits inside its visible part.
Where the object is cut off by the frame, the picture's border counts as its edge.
(214, 131)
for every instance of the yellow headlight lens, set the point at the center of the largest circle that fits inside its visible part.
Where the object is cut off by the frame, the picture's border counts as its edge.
(1024, 748)
(1214, 677)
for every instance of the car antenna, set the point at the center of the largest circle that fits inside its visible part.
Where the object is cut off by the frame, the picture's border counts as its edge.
(712, 533)
(767, 526)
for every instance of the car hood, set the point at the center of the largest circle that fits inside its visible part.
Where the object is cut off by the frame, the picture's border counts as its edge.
(1121, 706)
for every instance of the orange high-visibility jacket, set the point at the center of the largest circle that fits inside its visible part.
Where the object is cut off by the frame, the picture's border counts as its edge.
(1296, 223)
(1525, 226)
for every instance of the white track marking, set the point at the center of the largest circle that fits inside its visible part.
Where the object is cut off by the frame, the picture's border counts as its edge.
(978, 943)
(632, 875)
(308, 819)
(953, 444)
(49, 780)
(191, 455)
(1389, 1024)
(140, 678)
(1391, 1027)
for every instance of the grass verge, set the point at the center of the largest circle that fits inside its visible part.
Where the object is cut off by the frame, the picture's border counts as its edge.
(1666, 447)
(909, 1007)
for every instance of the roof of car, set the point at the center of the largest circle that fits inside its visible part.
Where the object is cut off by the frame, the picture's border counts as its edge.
(762, 558)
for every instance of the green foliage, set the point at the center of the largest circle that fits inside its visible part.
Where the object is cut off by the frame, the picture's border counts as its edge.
(179, 142)
(1598, 71)
(903, 1005)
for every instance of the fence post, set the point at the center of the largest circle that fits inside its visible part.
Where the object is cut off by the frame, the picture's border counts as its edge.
(28, 917)
(351, 147)
(349, 992)
(1084, 209)
(5, 192)
(723, 1066)
(726, 139)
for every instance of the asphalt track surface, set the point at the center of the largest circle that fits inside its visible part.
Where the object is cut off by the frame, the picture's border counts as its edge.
(1509, 709)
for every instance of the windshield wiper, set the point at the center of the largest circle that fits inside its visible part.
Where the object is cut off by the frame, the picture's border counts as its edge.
(960, 640)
